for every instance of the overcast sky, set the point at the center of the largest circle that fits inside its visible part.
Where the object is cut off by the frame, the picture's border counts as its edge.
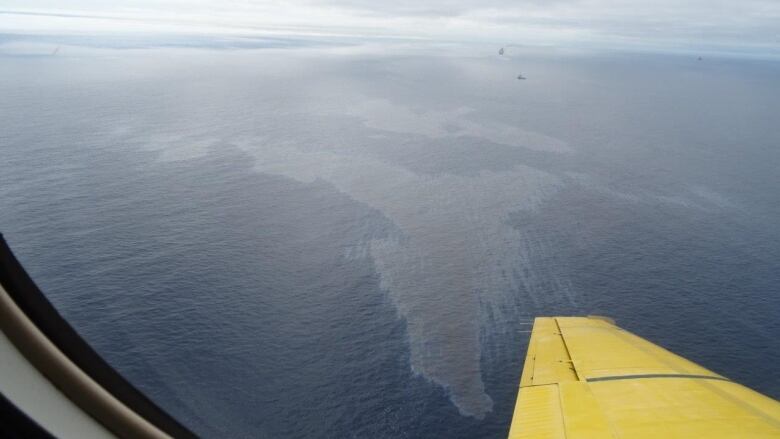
(734, 25)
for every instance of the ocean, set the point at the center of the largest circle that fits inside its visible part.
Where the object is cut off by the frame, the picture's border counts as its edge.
(294, 238)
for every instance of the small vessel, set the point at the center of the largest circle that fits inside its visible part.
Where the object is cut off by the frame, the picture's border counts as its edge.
(520, 76)
(501, 51)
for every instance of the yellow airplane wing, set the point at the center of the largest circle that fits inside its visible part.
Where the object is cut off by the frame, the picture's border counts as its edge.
(584, 377)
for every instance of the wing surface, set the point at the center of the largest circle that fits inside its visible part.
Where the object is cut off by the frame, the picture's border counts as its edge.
(584, 377)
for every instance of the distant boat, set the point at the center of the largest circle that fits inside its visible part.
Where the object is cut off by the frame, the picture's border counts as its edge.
(501, 51)
(699, 58)
(521, 76)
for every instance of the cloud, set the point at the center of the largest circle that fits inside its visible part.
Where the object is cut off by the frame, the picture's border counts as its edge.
(694, 24)
(434, 8)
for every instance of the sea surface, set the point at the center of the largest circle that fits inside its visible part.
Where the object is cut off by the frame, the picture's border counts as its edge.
(296, 238)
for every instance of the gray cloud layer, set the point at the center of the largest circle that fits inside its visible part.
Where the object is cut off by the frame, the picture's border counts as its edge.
(750, 25)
